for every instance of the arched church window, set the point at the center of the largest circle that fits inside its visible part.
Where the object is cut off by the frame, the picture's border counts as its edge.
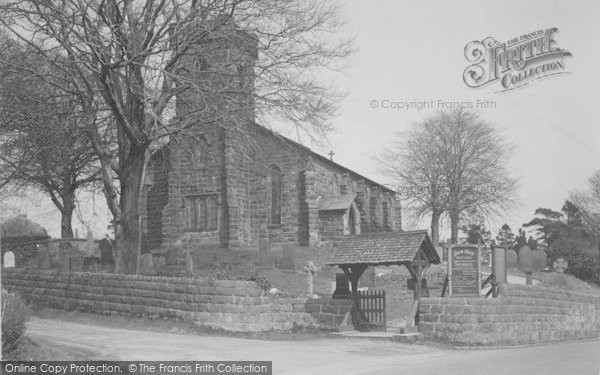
(197, 151)
(202, 213)
(275, 195)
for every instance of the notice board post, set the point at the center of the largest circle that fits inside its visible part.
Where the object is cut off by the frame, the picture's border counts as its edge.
(464, 271)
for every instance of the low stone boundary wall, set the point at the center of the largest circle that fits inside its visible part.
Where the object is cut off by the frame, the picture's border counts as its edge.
(520, 315)
(219, 304)
(329, 312)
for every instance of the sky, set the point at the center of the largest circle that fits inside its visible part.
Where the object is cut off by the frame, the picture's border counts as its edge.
(414, 51)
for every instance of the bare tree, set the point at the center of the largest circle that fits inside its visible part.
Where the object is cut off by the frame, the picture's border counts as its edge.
(476, 169)
(452, 163)
(131, 54)
(43, 145)
(415, 161)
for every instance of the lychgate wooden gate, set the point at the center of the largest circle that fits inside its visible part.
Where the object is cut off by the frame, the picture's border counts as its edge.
(372, 310)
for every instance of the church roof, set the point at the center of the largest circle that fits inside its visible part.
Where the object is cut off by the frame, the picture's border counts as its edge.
(340, 202)
(318, 156)
(383, 248)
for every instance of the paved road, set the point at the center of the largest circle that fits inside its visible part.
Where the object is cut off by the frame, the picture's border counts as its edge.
(322, 356)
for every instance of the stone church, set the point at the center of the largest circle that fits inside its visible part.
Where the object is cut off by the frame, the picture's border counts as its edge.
(232, 182)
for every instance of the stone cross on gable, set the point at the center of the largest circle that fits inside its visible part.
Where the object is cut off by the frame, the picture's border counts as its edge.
(331, 153)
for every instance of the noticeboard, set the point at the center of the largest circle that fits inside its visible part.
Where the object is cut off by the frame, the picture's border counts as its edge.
(464, 270)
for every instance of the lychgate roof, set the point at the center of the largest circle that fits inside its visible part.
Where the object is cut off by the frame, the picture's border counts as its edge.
(340, 202)
(383, 248)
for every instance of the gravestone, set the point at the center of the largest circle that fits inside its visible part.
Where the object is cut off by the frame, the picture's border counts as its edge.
(342, 286)
(171, 257)
(526, 259)
(539, 260)
(90, 264)
(264, 253)
(189, 263)
(44, 258)
(512, 260)
(76, 263)
(106, 251)
(367, 279)
(146, 264)
(498, 258)
(158, 258)
(9, 259)
(288, 261)
(526, 263)
(64, 260)
(90, 246)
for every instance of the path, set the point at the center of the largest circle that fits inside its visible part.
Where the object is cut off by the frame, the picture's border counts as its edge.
(321, 356)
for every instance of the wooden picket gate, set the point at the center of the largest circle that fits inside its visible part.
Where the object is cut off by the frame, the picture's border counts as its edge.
(372, 310)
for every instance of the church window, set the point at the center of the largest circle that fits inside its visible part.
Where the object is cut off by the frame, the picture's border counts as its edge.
(202, 213)
(199, 154)
(335, 186)
(275, 195)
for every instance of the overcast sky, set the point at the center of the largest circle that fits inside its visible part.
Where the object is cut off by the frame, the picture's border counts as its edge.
(414, 51)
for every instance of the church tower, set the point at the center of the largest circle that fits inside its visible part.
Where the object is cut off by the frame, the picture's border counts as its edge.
(218, 76)
(217, 83)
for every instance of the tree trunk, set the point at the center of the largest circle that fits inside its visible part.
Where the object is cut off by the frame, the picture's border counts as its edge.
(126, 226)
(66, 211)
(435, 227)
(66, 217)
(454, 222)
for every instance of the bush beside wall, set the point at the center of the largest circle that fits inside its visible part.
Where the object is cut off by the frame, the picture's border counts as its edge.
(14, 315)
(520, 315)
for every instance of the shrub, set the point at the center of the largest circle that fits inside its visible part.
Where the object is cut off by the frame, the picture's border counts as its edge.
(14, 315)
(263, 282)
(583, 263)
(248, 275)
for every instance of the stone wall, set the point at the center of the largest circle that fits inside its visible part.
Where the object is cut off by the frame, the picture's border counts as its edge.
(218, 304)
(329, 312)
(331, 225)
(520, 315)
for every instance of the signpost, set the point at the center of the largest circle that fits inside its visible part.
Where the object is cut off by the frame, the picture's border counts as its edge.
(464, 270)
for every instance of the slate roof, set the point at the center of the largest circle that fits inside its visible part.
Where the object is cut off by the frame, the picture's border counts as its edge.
(340, 202)
(383, 248)
(317, 155)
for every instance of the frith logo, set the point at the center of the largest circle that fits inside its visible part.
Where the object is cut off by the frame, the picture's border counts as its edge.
(515, 63)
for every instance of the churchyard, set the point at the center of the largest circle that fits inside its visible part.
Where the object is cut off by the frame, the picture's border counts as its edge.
(279, 273)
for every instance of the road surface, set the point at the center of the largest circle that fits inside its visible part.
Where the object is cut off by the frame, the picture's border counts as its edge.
(321, 356)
